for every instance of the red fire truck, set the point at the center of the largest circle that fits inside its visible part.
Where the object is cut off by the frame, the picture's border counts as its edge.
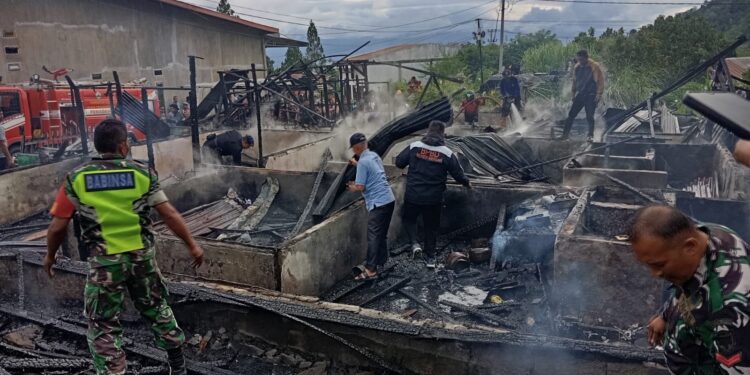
(40, 115)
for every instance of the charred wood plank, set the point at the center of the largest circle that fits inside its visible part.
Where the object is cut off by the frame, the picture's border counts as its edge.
(34, 353)
(502, 307)
(629, 187)
(43, 363)
(345, 292)
(24, 228)
(129, 345)
(337, 187)
(485, 316)
(313, 193)
(254, 214)
(18, 351)
(435, 311)
(392, 288)
(18, 244)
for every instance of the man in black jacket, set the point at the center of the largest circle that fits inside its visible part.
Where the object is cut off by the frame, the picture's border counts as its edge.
(429, 162)
(230, 143)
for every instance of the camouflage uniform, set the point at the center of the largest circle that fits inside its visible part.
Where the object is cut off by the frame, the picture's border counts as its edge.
(708, 319)
(113, 198)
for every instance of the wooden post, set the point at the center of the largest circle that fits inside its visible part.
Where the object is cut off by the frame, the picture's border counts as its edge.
(147, 123)
(194, 135)
(256, 94)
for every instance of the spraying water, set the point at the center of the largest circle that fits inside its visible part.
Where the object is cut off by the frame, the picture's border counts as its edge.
(516, 120)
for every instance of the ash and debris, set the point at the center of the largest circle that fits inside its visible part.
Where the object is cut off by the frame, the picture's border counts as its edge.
(237, 218)
(28, 347)
(511, 292)
(30, 228)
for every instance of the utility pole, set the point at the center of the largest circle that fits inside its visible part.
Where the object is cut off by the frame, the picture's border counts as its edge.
(479, 35)
(502, 34)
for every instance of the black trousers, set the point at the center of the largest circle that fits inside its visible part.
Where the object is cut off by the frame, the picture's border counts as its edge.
(587, 101)
(471, 117)
(430, 220)
(378, 221)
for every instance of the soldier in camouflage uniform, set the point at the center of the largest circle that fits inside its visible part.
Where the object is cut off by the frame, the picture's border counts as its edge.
(113, 197)
(705, 325)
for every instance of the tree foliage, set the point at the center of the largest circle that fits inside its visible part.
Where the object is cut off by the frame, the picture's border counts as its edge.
(314, 47)
(637, 63)
(225, 8)
(465, 63)
(293, 56)
(514, 50)
(269, 65)
(732, 17)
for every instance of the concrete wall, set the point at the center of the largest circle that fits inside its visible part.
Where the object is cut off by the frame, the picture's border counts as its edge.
(597, 277)
(224, 261)
(31, 190)
(132, 37)
(685, 163)
(582, 177)
(325, 253)
(303, 158)
(174, 157)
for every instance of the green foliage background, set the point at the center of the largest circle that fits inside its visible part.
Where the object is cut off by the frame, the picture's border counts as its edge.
(636, 62)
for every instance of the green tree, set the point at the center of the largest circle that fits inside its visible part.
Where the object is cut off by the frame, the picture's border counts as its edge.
(293, 56)
(730, 17)
(549, 57)
(640, 62)
(225, 8)
(269, 65)
(514, 50)
(314, 49)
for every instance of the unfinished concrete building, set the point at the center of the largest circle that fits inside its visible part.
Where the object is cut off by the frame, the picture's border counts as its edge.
(385, 66)
(139, 39)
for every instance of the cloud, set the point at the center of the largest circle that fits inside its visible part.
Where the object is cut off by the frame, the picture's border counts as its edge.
(392, 22)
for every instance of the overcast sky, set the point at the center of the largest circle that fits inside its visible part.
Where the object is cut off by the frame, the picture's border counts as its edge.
(345, 24)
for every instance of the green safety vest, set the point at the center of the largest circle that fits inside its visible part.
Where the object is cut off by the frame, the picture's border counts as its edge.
(112, 194)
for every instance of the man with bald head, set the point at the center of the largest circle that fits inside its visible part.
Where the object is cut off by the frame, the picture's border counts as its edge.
(705, 325)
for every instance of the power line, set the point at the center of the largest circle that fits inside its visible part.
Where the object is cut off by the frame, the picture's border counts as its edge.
(396, 31)
(380, 27)
(375, 28)
(605, 22)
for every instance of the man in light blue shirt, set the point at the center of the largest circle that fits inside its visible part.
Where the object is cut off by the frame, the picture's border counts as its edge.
(379, 199)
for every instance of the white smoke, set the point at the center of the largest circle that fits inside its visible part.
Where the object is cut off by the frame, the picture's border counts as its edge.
(381, 108)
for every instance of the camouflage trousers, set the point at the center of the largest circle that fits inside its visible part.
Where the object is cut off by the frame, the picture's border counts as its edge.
(104, 297)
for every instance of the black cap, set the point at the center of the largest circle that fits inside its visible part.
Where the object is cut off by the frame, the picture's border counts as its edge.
(249, 139)
(356, 139)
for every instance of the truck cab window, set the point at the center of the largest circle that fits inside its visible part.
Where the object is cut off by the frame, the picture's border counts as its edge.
(10, 103)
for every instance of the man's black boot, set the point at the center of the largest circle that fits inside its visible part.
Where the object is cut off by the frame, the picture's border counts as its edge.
(176, 360)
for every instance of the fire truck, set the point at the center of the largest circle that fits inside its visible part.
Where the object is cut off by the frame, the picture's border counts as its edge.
(44, 114)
